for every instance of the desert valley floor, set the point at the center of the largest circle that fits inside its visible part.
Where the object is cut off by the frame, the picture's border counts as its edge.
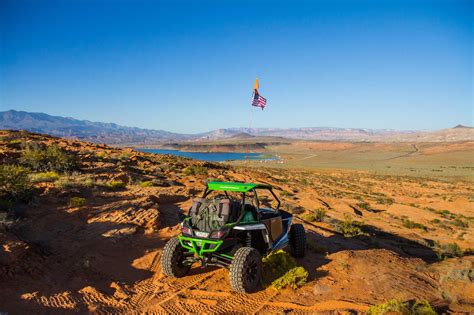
(84, 243)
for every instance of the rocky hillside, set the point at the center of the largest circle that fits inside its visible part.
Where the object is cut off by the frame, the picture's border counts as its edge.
(83, 227)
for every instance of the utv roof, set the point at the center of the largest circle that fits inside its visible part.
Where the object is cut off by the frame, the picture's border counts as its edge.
(232, 186)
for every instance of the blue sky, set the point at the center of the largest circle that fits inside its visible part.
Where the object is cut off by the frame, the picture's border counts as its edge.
(189, 66)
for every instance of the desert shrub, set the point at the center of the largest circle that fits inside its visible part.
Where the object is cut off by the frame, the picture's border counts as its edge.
(195, 170)
(460, 223)
(292, 208)
(15, 185)
(364, 205)
(88, 182)
(50, 158)
(308, 217)
(77, 202)
(67, 182)
(72, 181)
(44, 177)
(319, 214)
(123, 157)
(12, 137)
(115, 184)
(277, 263)
(282, 266)
(384, 200)
(449, 250)
(101, 155)
(446, 214)
(293, 278)
(285, 193)
(394, 306)
(147, 183)
(350, 228)
(315, 216)
(413, 225)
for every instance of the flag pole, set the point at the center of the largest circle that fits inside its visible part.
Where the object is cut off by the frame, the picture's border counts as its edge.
(255, 90)
(250, 128)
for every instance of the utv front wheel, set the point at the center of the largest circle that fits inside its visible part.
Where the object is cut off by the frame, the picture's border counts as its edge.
(172, 261)
(246, 270)
(297, 240)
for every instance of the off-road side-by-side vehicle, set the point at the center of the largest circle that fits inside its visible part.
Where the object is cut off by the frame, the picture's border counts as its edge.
(232, 229)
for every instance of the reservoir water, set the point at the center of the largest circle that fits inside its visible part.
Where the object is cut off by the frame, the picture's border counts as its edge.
(211, 156)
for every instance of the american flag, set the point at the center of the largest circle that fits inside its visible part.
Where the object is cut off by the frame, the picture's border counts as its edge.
(258, 101)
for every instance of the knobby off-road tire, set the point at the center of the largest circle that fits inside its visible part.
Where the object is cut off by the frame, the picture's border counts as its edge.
(297, 240)
(172, 259)
(246, 270)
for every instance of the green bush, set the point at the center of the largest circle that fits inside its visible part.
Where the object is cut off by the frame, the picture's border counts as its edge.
(285, 193)
(282, 266)
(293, 278)
(449, 250)
(394, 306)
(77, 202)
(351, 228)
(315, 216)
(147, 183)
(115, 184)
(460, 223)
(413, 225)
(45, 177)
(15, 184)
(50, 158)
(73, 181)
(66, 182)
(319, 214)
(384, 200)
(124, 157)
(364, 205)
(195, 170)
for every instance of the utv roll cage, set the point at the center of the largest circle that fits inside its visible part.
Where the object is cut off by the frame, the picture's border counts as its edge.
(242, 188)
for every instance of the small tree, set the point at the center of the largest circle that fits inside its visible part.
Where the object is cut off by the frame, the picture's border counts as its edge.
(15, 184)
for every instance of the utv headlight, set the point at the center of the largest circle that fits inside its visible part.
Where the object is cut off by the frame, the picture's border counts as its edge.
(219, 234)
(186, 230)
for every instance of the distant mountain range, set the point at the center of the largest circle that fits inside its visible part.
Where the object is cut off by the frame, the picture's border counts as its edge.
(111, 133)
(97, 132)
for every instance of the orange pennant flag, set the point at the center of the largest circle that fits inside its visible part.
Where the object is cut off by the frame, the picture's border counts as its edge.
(255, 86)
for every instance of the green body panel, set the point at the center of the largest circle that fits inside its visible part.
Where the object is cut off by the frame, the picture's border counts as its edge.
(199, 246)
(232, 186)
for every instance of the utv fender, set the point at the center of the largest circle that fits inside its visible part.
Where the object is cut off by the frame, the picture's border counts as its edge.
(256, 227)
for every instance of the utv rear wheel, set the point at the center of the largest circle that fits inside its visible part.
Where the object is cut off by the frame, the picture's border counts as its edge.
(246, 270)
(297, 240)
(172, 261)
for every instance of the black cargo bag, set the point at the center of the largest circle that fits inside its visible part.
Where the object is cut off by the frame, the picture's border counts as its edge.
(210, 215)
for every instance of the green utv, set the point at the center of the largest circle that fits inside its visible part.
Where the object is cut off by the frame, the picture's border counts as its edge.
(233, 229)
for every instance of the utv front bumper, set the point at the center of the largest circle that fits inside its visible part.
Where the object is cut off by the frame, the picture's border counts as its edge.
(199, 246)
